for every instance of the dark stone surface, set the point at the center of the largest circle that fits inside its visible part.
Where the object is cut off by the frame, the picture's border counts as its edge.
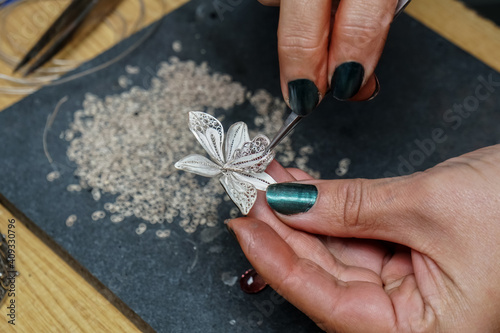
(488, 9)
(422, 76)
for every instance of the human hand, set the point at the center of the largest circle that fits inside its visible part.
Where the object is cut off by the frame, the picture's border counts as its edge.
(418, 253)
(326, 44)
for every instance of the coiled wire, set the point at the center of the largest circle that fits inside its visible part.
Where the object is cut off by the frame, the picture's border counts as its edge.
(52, 74)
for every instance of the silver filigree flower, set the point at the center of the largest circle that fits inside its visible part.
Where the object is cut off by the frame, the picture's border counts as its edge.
(238, 161)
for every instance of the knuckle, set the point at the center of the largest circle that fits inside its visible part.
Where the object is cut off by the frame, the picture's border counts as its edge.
(427, 196)
(361, 31)
(352, 192)
(294, 278)
(299, 46)
(289, 281)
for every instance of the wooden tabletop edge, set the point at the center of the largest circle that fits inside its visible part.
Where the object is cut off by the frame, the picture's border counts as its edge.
(461, 26)
(58, 250)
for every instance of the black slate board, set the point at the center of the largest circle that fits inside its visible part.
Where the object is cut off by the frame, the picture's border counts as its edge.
(422, 77)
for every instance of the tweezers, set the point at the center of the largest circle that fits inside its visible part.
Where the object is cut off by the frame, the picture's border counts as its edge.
(293, 119)
(80, 15)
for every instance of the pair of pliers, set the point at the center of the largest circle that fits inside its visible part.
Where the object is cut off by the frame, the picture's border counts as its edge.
(293, 119)
(80, 15)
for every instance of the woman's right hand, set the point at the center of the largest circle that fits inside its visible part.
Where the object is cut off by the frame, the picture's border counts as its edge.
(325, 44)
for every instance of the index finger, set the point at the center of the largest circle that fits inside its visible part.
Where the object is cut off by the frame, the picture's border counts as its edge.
(333, 304)
(303, 37)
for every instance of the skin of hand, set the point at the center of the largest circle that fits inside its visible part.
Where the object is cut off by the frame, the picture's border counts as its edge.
(325, 44)
(418, 253)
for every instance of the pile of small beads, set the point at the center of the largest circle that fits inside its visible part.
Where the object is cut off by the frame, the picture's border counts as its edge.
(126, 145)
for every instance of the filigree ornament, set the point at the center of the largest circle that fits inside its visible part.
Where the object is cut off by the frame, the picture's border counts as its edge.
(238, 161)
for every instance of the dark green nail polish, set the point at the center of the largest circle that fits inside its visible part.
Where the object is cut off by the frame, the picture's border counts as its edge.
(303, 96)
(291, 198)
(347, 80)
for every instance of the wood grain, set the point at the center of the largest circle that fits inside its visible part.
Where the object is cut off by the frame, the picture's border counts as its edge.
(54, 297)
(461, 26)
(26, 24)
(51, 296)
(449, 18)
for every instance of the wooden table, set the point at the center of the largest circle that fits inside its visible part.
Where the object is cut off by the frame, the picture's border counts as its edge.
(55, 294)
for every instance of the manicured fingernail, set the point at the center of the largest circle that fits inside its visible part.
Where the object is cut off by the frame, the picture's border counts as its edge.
(291, 198)
(303, 96)
(347, 80)
(377, 89)
(226, 222)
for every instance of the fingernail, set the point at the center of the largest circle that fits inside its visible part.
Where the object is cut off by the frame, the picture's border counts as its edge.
(303, 96)
(377, 89)
(347, 80)
(226, 222)
(291, 198)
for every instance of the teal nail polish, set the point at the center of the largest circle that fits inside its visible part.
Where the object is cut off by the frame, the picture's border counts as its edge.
(303, 96)
(347, 80)
(291, 198)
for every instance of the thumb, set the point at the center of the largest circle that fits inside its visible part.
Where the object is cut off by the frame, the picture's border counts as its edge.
(390, 209)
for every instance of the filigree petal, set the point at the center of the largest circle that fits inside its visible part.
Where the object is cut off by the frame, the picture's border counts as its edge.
(252, 156)
(236, 136)
(209, 132)
(260, 180)
(243, 194)
(199, 165)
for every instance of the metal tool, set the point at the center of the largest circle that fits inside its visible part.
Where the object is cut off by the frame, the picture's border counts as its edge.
(80, 16)
(293, 119)
(6, 2)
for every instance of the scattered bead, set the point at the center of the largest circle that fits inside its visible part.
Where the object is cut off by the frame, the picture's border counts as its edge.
(234, 212)
(73, 188)
(96, 194)
(177, 46)
(53, 176)
(70, 221)
(141, 228)
(124, 81)
(117, 218)
(229, 279)
(343, 167)
(162, 233)
(132, 69)
(97, 215)
(127, 144)
(251, 282)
